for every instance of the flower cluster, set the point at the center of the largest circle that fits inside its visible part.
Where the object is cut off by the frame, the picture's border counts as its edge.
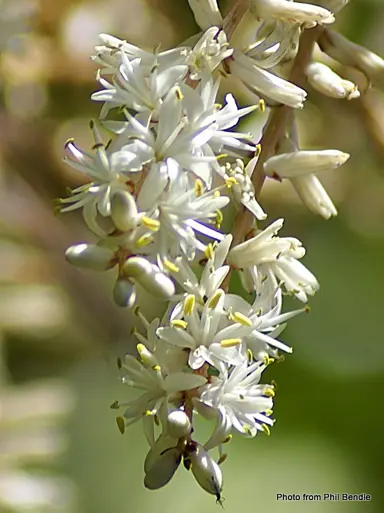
(156, 201)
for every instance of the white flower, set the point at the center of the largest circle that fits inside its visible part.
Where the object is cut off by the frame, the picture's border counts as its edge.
(238, 179)
(308, 14)
(182, 213)
(265, 83)
(206, 13)
(266, 253)
(202, 332)
(136, 87)
(160, 385)
(212, 276)
(106, 169)
(108, 55)
(210, 50)
(240, 402)
(273, 42)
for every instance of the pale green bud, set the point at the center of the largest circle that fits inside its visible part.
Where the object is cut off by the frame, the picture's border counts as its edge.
(90, 256)
(124, 211)
(124, 293)
(149, 277)
(350, 54)
(179, 424)
(206, 471)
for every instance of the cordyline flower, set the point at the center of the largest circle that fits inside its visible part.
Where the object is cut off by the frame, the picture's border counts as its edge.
(238, 401)
(176, 158)
(266, 254)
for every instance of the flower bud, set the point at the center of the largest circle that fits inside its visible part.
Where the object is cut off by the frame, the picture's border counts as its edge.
(124, 293)
(162, 471)
(149, 277)
(90, 256)
(179, 424)
(299, 163)
(350, 54)
(329, 83)
(124, 211)
(162, 444)
(206, 471)
(314, 196)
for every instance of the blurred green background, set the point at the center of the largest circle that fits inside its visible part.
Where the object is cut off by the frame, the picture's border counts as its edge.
(60, 333)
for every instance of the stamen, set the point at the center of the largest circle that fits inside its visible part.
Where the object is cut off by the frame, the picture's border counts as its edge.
(230, 342)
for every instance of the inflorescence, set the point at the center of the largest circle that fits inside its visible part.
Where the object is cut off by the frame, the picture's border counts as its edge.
(156, 201)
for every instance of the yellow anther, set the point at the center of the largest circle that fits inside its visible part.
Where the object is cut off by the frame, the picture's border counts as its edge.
(257, 150)
(230, 342)
(149, 413)
(269, 392)
(208, 251)
(216, 194)
(179, 94)
(151, 224)
(241, 319)
(120, 424)
(144, 240)
(141, 349)
(199, 188)
(170, 266)
(228, 439)
(268, 360)
(230, 181)
(247, 429)
(274, 384)
(222, 458)
(156, 368)
(215, 298)
(262, 105)
(268, 413)
(266, 429)
(178, 323)
(219, 219)
(250, 356)
(189, 304)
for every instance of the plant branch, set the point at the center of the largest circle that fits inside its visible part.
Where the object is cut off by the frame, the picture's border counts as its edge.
(275, 131)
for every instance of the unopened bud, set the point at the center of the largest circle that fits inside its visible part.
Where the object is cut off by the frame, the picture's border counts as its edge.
(350, 54)
(124, 293)
(299, 163)
(162, 471)
(124, 211)
(149, 277)
(162, 445)
(179, 424)
(314, 196)
(206, 471)
(329, 83)
(90, 256)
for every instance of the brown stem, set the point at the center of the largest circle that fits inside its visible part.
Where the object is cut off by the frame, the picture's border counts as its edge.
(234, 17)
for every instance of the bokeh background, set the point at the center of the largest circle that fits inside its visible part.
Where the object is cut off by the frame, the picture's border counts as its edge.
(60, 333)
